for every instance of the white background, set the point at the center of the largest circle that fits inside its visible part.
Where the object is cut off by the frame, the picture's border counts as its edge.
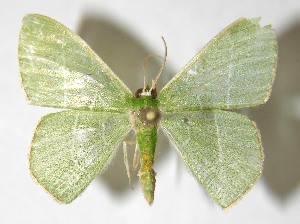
(122, 33)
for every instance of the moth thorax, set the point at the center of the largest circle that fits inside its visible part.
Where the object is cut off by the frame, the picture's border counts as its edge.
(149, 115)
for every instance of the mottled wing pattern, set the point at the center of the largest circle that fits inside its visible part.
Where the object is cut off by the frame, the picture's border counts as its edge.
(236, 69)
(69, 148)
(58, 69)
(222, 149)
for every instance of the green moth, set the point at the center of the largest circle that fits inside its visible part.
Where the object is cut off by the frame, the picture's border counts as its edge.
(222, 149)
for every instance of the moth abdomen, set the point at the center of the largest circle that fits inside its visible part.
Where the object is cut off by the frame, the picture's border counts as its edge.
(147, 179)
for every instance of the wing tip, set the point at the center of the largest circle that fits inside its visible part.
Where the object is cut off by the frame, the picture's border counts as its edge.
(239, 197)
(58, 200)
(37, 181)
(30, 16)
(34, 176)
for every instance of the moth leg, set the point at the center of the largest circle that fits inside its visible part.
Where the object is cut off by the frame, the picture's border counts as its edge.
(136, 157)
(125, 150)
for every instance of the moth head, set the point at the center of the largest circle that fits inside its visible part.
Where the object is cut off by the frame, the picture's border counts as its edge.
(151, 92)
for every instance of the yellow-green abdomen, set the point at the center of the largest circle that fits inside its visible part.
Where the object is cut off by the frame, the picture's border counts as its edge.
(146, 138)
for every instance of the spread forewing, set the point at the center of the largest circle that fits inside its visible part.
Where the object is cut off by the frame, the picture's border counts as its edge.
(69, 148)
(222, 149)
(58, 69)
(236, 69)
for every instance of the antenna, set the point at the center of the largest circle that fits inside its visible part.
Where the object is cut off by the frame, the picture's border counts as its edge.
(145, 66)
(162, 66)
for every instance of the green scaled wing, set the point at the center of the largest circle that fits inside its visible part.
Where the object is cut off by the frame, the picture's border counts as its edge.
(222, 149)
(236, 69)
(69, 148)
(58, 69)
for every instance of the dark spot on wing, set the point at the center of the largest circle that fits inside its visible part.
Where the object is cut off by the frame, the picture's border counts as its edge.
(185, 120)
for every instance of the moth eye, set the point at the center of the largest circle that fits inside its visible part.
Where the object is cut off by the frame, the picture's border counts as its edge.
(153, 93)
(138, 93)
(185, 120)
